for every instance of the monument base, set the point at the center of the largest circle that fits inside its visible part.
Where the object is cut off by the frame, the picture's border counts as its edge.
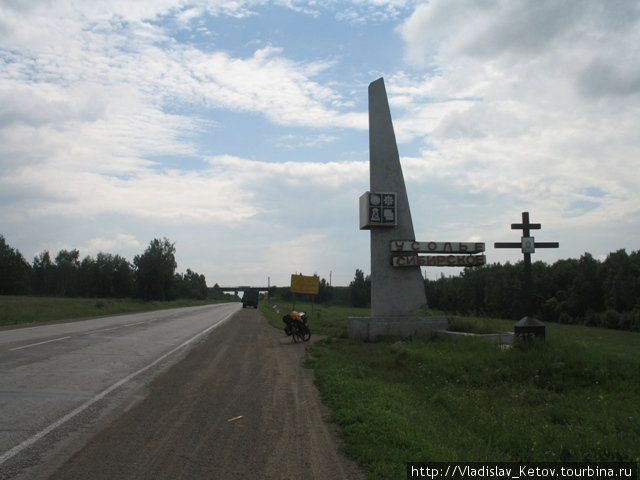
(529, 328)
(370, 328)
(501, 338)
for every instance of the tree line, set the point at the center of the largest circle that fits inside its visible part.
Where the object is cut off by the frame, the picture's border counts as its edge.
(327, 294)
(151, 276)
(357, 294)
(582, 291)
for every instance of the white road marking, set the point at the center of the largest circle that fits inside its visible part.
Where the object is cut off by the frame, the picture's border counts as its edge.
(39, 343)
(108, 329)
(30, 441)
(134, 324)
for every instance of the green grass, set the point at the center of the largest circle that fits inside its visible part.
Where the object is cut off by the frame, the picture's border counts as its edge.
(322, 320)
(23, 309)
(477, 325)
(575, 397)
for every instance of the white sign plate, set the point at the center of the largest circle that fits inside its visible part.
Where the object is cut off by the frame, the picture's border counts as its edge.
(436, 247)
(439, 260)
(528, 245)
(378, 209)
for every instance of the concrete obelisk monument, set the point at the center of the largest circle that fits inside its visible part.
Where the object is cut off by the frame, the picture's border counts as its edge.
(395, 292)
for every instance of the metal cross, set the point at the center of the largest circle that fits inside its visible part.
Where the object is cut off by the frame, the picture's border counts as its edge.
(528, 246)
(526, 228)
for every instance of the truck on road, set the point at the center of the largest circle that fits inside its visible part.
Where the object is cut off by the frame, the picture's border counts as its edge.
(250, 298)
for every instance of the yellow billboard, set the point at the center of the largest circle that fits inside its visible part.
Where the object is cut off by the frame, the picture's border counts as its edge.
(305, 284)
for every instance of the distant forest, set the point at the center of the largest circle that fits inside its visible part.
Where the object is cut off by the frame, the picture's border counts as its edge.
(151, 276)
(584, 291)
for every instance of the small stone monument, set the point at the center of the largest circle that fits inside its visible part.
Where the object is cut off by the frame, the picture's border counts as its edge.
(395, 292)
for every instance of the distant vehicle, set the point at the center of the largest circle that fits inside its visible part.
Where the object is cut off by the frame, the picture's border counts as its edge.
(250, 298)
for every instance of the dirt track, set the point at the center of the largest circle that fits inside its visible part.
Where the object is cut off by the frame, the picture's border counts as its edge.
(240, 405)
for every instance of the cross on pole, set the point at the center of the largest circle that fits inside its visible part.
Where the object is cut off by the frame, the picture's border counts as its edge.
(528, 245)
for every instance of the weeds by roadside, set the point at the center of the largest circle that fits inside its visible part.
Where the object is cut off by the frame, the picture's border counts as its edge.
(571, 398)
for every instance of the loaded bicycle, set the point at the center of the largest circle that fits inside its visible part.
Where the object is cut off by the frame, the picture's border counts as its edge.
(296, 326)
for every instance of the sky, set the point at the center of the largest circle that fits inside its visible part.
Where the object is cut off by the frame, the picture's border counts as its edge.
(238, 129)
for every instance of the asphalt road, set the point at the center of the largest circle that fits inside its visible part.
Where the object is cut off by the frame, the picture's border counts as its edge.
(60, 383)
(240, 406)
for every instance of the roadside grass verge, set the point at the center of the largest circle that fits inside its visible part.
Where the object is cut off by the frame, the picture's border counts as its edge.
(16, 310)
(478, 325)
(572, 398)
(322, 320)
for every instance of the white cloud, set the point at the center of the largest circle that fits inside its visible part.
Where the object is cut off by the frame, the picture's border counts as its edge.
(84, 117)
(118, 243)
(331, 175)
(516, 31)
(107, 112)
(267, 83)
(514, 102)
